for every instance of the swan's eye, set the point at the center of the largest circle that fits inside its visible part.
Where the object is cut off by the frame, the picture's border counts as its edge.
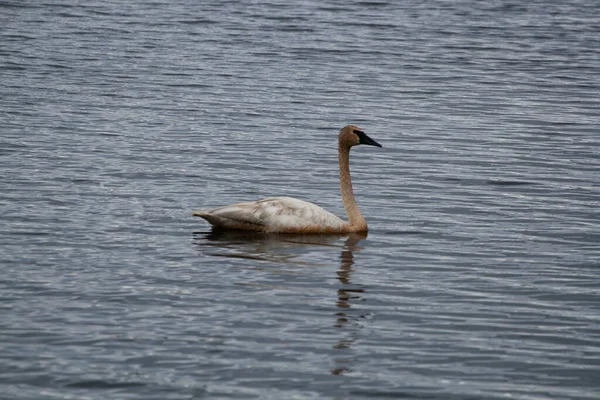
(358, 132)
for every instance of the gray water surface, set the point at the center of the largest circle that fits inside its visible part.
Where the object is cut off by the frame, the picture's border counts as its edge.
(480, 275)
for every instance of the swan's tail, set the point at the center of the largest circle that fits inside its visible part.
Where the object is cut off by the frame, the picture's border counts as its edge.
(204, 214)
(221, 222)
(211, 219)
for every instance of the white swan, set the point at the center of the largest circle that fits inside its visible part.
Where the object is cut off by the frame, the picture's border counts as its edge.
(289, 215)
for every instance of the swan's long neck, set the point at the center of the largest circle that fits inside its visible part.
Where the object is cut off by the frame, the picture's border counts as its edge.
(355, 219)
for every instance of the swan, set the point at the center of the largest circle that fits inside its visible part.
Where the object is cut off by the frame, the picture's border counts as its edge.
(290, 215)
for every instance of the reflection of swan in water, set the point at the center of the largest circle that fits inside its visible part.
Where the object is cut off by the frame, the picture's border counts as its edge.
(286, 214)
(280, 248)
(345, 271)
(285, 249)
(346, 295)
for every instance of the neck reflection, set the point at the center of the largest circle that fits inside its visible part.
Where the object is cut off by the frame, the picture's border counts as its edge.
(348, 294)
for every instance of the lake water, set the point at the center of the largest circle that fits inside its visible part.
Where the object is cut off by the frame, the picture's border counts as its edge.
(479, 278)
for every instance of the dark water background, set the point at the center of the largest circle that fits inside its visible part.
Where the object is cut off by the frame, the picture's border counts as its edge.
(480, 276)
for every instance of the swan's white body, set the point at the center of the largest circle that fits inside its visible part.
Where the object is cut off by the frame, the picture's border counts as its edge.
(275, 214)
(289, 215)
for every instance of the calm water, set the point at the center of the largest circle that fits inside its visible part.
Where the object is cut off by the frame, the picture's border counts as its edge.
(480, 276)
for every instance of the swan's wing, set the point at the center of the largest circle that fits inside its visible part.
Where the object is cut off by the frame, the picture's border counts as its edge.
(288, 214)
(275, 214)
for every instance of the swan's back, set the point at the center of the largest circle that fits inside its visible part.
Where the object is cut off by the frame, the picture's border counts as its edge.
(275, 214)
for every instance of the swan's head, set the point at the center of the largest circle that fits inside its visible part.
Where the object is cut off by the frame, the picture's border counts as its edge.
(353, 136)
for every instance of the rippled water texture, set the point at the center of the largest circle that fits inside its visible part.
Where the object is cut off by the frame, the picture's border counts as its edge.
(479, 278)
